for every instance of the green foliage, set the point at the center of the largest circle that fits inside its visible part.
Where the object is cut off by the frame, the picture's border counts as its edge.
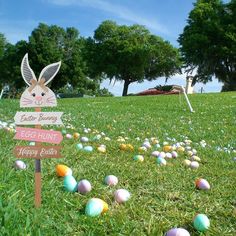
(130, 53)
(161, 197)
(208, 42)
(2, 44)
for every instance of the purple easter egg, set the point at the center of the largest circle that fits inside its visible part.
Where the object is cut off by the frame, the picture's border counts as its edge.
(177, 232)
(111, 180)
(84, 186)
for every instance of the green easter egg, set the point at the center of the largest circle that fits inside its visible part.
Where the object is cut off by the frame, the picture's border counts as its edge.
(70, 183)
(201, 222)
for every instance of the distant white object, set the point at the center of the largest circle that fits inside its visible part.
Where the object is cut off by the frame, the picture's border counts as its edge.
(1, 93)
(189, 87)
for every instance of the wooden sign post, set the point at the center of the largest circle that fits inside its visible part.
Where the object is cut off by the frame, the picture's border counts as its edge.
(38, 95)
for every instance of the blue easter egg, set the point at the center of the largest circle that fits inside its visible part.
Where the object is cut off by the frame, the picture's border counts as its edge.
(88, 148)
(93, 207)
(70, 183)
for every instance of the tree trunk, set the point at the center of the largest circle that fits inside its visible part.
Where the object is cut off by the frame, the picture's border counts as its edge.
(125, 89)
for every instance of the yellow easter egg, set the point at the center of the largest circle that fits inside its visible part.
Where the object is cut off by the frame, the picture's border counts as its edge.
(76, 135)
(123, 147)
(130, 147)
(167, 148)
(180, 149)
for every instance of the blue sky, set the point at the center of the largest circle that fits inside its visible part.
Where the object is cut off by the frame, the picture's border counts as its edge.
(165, 18)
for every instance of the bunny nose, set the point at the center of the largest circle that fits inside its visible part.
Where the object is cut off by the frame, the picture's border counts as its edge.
(38, 98)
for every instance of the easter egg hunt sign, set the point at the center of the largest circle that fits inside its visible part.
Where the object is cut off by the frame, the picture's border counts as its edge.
(37, 151)
(35, 118)
(38, 135)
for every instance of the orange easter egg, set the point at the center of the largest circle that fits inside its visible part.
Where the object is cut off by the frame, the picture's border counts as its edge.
(63, 170)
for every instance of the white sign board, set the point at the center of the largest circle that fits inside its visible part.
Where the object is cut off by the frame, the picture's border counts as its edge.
(38, 118)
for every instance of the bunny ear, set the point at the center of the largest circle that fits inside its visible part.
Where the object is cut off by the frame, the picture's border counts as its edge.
(49, 72)
(26, 71)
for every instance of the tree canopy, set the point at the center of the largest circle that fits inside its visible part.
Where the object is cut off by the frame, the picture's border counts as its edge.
(131, 54)
(208, 42)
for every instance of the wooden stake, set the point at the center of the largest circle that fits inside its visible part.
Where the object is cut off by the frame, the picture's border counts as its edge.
(37, 199)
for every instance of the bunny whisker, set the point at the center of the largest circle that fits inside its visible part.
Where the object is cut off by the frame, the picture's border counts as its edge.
(27, 99)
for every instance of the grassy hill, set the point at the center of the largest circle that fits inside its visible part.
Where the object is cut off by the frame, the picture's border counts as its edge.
(162, 197)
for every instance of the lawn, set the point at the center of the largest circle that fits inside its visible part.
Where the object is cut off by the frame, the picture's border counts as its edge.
(162, 197)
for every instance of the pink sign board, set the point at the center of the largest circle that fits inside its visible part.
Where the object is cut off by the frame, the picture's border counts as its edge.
(38, 135)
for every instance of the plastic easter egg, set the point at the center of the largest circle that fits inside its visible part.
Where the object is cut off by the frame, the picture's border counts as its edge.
(88, 148)
(79, 146)
(168, 155)
(93, 207)
(202, 184)
(130, 147)
(101, 149)
(32, 143)
(174, 154)
(70, 183)
(194, 151)
(123, 147)
(180, 149)
(187, 162)
(177, 232)
(162, 155)
(107, 139)
(167, 148)
(165, 143)
(63, 170)
(155, 153)
(84, 186)
(157, 145)
(97, 137)
(63, 131)
(147, 145)
(195, 158)
(142, 149)
(161, 161)
(20, 165)
(76, 135)
(104, 204)
(69, 136)
(194, 164)
(121, 195)
(189, 153)
(138, 158)
(111, 180)
(84, 139)
(201, 222)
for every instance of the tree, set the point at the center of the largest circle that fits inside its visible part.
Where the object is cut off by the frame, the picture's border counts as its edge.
(130, 53)
(208, 42)
(49, 44)
(2, 44)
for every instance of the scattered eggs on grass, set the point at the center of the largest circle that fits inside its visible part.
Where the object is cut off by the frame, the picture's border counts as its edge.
(167, 148)
(68, 136)
(76, 135)
(155, 153)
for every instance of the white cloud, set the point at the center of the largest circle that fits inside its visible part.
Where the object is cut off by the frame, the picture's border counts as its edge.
(117, 10)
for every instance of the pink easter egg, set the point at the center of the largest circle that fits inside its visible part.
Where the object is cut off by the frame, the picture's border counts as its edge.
(202, 184)
(177, 232)
(194, 164)
(69, 136)
(111, 180)
(121, 195)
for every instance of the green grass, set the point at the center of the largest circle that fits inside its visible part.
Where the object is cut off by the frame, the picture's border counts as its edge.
(161, 197)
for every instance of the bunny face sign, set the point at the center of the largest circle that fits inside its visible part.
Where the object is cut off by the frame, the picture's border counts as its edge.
(38, 94)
